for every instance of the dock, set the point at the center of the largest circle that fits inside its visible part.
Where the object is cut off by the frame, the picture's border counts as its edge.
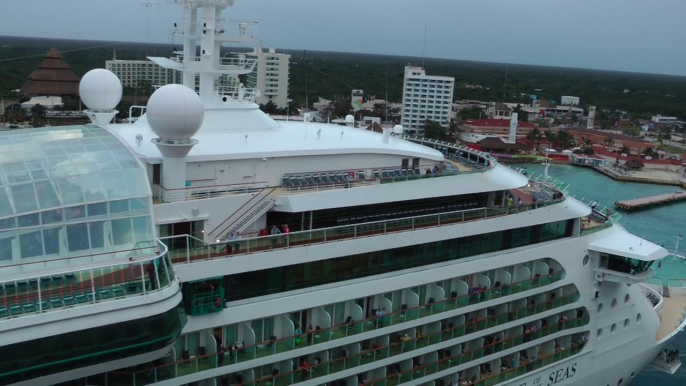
(640, 203)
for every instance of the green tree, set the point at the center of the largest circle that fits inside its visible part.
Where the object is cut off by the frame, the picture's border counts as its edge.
(609, 142)
(38, 110)
(551, 137)
(649, 152)
(433, 130)
(342, 107)
(270, 108)
(535, 137)
(564, 139)
(625, 150)
(521, 114)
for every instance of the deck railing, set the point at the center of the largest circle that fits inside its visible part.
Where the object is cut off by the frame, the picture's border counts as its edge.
(195, 249)
(267, 348)
(58, 290)
(162, 194)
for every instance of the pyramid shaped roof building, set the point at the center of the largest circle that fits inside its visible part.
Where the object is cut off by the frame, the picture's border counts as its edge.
(52, 77)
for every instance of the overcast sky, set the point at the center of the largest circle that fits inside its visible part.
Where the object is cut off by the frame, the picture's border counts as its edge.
(625, 35)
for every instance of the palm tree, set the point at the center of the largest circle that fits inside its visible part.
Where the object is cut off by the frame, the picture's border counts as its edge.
(551, 137)
(534, 136)
(625, 150)
(564, 139)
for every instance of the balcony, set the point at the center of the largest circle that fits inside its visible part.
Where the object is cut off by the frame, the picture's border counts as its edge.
(515, 335)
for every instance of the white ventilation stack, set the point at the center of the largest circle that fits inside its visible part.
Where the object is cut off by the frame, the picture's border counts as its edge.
(513, 129)
(174, 113)
(590, 122)
(101, 91)
(387, 134)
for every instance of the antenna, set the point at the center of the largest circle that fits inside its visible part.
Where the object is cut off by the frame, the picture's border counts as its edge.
(424, 50)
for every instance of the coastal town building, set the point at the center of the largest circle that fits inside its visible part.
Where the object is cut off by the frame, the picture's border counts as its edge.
(611, 141)
(137, 73)
(52, 77)
(567, 100)
(474, 130)
(425, 97)
(661, 119)
(270, 76)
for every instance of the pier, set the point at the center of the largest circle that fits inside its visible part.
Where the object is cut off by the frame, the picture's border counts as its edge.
(640, 203)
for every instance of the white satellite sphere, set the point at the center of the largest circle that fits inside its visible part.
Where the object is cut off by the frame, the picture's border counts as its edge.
(175, 112)
(100, 90)
(349, 118)
(398, 129)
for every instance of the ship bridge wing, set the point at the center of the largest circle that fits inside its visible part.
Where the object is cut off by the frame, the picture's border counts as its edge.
(625, 244)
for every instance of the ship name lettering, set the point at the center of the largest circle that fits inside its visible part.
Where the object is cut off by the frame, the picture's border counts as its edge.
(561, 374)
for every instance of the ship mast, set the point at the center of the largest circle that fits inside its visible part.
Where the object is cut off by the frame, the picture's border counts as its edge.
(203, 31)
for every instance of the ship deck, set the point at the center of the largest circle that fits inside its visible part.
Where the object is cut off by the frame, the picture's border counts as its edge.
(673, 311)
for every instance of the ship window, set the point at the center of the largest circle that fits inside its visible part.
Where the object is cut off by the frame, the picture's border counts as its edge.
(626, 322)
(613, 327)
(626, 299)
(638, 318)
(600, 307)
(405, 163)
(614, 303)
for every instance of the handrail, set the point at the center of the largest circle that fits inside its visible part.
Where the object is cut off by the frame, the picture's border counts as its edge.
(92, 284)
(77, 257)
(571, 298)
(259, 194)
(344, 232)
(200, 192)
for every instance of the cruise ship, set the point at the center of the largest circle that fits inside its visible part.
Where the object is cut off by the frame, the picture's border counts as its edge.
(208, 244)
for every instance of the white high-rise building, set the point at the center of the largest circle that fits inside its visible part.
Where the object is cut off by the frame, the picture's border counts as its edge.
(425, 97)
(270, 76)
(134, 73)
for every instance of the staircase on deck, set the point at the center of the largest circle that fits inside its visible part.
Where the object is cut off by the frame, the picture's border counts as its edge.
(245, 216)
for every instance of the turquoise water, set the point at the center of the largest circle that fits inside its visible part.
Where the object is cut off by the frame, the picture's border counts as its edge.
(659, 225)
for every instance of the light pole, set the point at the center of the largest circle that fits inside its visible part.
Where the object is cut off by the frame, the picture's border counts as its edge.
(288, 108)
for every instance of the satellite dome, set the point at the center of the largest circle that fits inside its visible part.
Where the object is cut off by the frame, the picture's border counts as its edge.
(100, 90)
(349, 118)
(175, 112)
(398, 129)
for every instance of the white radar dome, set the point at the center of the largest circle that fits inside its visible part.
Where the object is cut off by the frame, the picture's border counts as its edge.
(175, 112)
(397, 129)
(349, 118)
(100, 90)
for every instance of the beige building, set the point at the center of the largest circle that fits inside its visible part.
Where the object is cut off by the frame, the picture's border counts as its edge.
(270, 76)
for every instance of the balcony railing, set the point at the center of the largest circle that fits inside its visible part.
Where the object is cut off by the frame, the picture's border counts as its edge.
(195, 249)
(492, 379)
(163, 195)
(290, 343)
(140, 275)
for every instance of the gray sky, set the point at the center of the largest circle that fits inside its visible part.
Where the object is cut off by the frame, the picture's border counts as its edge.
(625, 35)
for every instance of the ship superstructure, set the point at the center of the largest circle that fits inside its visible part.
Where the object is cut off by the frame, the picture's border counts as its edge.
(309, 253)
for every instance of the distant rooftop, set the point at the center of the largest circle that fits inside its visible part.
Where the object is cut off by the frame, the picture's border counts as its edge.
(52, 77)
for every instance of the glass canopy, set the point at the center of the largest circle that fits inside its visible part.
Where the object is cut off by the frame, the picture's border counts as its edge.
(70, 191)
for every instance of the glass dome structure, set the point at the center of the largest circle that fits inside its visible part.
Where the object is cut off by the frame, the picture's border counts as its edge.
(70, 191)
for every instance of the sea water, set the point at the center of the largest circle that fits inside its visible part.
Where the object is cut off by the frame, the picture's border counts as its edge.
(661, 225)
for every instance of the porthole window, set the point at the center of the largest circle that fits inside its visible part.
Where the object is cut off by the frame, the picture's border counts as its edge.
(626, 299)
(619, 383)
(600, 332)
(613, 327)
(632, 375)
(600, 307)
(638, 318)
(585, 260)
(626, 322)
(614, 303)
